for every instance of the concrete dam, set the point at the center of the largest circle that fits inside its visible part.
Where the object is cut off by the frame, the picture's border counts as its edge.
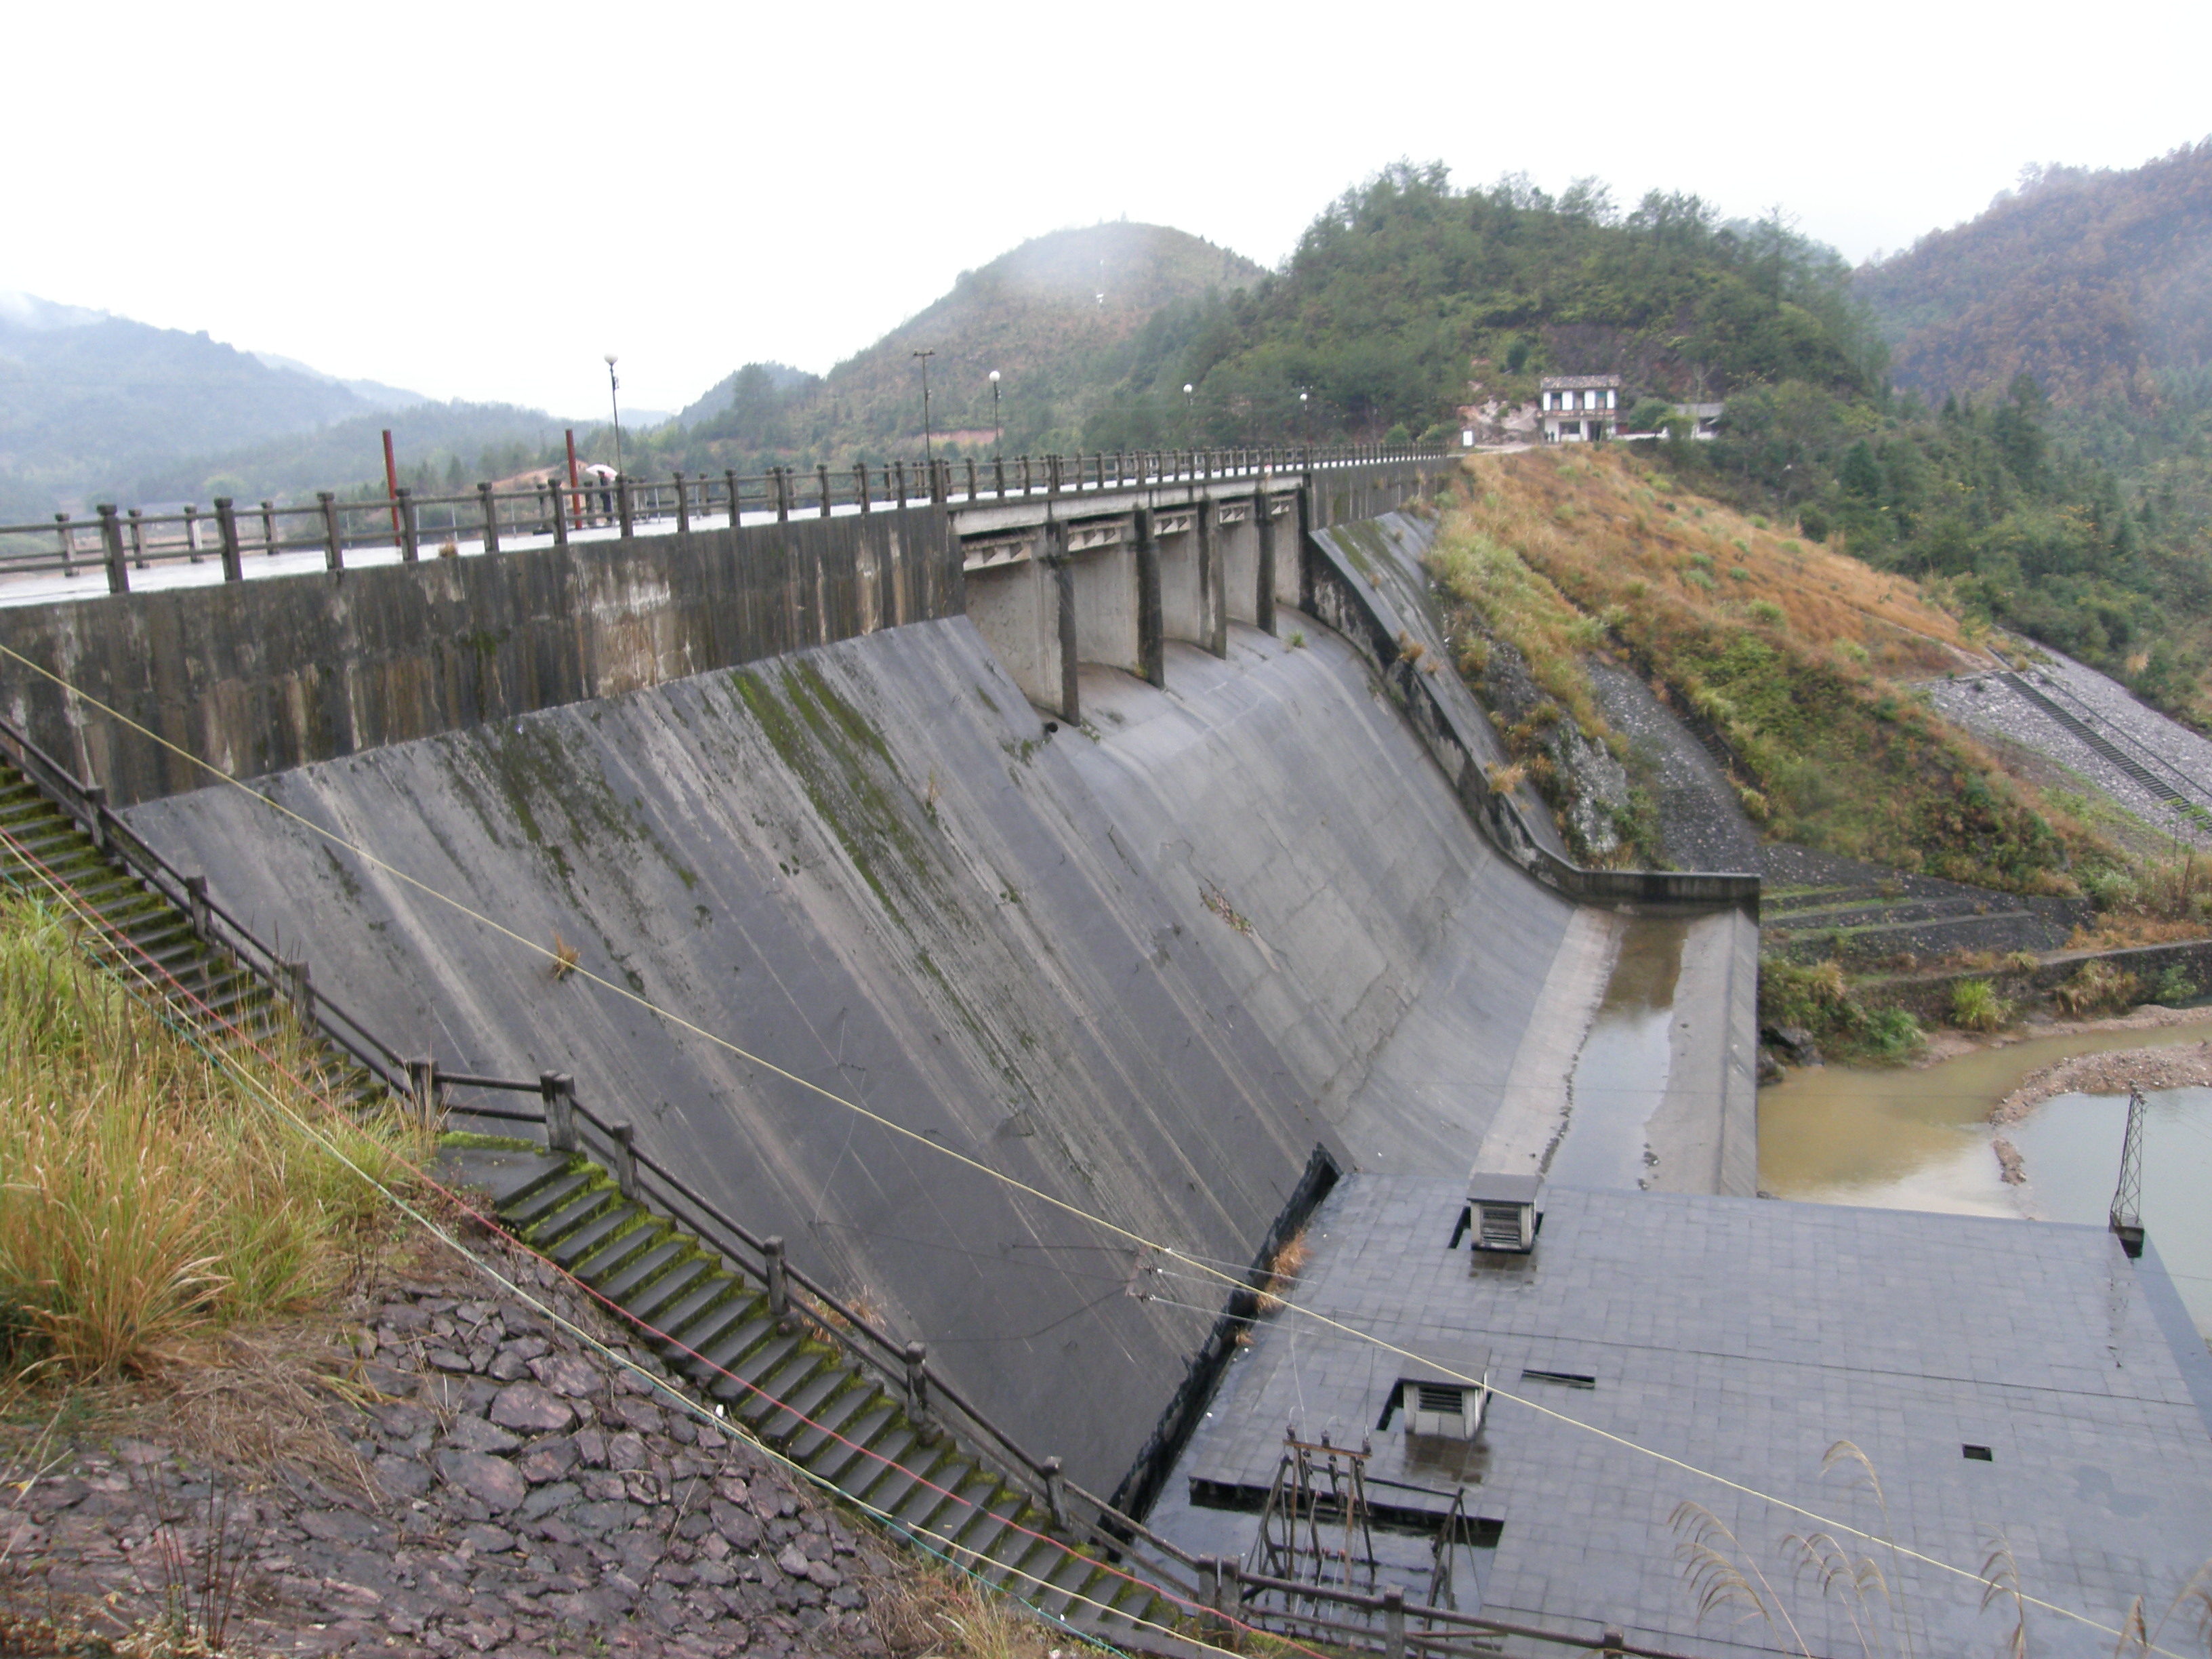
(1106, 840)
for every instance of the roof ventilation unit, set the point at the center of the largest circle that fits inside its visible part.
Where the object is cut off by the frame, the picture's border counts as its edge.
(1438, 1402)
(1501, 1213)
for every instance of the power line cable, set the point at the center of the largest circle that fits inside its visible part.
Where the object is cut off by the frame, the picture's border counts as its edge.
(645, 1003)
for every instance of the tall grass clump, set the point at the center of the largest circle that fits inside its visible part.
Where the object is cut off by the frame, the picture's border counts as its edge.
(148, 1195)
(1975, 1006)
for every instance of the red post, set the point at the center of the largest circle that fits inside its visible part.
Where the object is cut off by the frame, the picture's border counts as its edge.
(392, 485)
(576, 501)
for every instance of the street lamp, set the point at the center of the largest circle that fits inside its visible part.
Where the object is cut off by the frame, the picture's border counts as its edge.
(998, 427)
(1189, 409)
(615, 403)
(926, 457)
(1305, 408)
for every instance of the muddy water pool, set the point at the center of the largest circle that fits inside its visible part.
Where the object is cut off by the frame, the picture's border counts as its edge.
(1921, 1140)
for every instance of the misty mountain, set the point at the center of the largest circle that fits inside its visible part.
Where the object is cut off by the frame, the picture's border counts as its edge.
(374, 393)
(87, 401)
(439, 447)
(2098, 283)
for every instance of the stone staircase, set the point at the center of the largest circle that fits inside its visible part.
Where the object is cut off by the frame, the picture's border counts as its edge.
(1865, 916)
(42, 846)
(807, 1397)
(785, 1378)
(2164, 784)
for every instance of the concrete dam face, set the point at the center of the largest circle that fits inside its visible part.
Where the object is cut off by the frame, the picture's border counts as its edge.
(1172, 965)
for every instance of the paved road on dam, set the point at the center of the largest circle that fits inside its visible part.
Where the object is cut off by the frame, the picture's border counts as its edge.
(1145, 967)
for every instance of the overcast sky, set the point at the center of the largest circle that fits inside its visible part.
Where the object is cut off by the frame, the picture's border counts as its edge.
(480, 202)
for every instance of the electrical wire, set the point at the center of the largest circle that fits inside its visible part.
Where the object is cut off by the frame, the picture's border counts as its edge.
(92, 920)
(1727, 1483)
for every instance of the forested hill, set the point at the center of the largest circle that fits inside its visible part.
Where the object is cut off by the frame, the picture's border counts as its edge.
(2094, 283)
(1057, 317)
(1405, 291)
(88, 401)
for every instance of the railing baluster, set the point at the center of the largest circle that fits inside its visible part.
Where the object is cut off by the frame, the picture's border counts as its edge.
(192, 531)
(822, 485)
(269, 529)
(226, 523)
(138, 539)
(682, 509)
(490, 504)
(333, 549)
(110, 536)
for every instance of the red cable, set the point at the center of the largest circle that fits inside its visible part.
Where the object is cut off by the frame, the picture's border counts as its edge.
(154, 970)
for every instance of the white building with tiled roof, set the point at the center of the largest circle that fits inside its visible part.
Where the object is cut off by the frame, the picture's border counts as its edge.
(1578, 407)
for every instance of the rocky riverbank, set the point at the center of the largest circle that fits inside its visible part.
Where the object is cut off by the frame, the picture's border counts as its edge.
(2111, 1073)
(442, 1470)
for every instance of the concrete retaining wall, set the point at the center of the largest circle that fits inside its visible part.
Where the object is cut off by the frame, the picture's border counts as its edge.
(1929, 995)
(259, 677)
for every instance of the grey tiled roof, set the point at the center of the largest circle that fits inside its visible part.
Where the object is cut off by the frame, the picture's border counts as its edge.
(1576, 382)
(1747, 1337)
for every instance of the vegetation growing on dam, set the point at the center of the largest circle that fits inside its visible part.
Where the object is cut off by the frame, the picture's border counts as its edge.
(153, 1197)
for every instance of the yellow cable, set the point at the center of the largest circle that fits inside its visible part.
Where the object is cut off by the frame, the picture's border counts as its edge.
(1063, 1204)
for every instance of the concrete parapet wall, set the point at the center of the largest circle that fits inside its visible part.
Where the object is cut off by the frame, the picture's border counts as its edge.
(255, 678)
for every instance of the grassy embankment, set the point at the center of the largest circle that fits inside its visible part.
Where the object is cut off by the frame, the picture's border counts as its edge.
(1800, 660)
(151, 1200)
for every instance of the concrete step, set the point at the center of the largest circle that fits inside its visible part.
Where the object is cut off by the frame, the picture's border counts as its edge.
(837, 1451)
(685, 1297)
(852, 1414)
(648, 1302)
(599, 1196)
(564, 1186)
(615, 1221)
(621, 1249)
(802, 1403)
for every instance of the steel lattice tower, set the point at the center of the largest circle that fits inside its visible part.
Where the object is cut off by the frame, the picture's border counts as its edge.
(2126, 1217)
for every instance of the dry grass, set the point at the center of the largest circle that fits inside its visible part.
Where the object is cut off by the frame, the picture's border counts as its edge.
(1604, 518)
(2097, 988)
(1283, 1270)
(1792, 653)
(151, 1199)
(935, 1611)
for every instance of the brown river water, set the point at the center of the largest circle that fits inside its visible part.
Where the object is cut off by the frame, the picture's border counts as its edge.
(1922, 1140)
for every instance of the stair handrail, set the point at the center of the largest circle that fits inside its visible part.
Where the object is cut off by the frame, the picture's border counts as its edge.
(216, 927)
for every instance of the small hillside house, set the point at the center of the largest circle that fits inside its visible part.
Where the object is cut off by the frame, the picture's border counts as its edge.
(1578, 407)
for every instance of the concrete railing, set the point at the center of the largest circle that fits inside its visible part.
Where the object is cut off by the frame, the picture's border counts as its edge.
(234, 536)
(1339, 596)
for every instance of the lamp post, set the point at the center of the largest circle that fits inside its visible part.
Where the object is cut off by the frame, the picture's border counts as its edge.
(998, 427)
(614, 402)
(1189, 411)
(1305, 408)
(927, 459)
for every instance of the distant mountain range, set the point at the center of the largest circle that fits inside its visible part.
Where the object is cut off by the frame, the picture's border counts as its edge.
(87, 401)
(2098, 283)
